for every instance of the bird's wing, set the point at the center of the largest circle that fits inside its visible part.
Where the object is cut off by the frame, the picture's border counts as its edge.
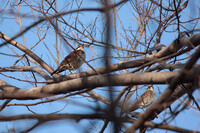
(139, 101)
(66, 60)
(73, 55)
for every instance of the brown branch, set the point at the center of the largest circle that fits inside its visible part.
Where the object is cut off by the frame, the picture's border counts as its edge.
(51, 117)
(7, 88)
(33, 127)
(92, 82)
(4, 104)
(26, 69)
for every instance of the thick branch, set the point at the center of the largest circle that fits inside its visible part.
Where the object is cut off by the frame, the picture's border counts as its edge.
(94, 81)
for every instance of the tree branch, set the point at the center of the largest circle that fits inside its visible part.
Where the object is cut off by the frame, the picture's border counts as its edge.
(92, 82)
(26, 69)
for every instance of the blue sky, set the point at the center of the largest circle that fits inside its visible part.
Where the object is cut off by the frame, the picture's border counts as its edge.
(188, 119)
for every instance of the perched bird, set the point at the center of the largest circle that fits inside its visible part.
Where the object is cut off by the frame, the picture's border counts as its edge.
(73, 61)
(144, 100)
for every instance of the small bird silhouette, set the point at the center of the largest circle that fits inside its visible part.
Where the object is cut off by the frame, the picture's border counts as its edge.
(143, 101)
(73, 61)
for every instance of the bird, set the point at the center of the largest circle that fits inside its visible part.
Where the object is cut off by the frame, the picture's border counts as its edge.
(72, 61)
(145, 100)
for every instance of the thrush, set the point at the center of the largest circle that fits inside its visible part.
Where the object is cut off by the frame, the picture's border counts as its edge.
(73, 61)
(143, 101)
